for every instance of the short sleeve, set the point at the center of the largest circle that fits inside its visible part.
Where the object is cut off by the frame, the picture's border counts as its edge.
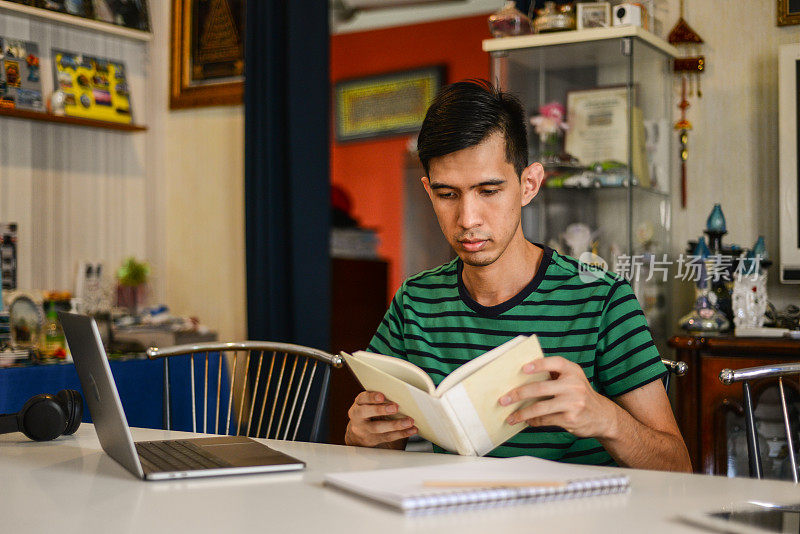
(389, 339)
(627, 358)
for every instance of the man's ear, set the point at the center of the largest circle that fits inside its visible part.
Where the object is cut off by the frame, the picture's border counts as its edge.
(531, 181)
(427, 184)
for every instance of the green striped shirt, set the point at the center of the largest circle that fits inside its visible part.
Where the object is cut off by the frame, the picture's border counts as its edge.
(594, 321)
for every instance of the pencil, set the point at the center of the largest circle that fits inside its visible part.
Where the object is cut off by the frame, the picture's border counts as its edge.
(492, 483)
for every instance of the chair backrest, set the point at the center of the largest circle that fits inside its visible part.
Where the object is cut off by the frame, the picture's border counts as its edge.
(263, 390)
(745, 376)
(673, 368)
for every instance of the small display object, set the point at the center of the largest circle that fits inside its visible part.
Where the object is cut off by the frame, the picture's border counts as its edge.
(20, 80)
(8, 255)
(596, 15)
(27, 320)
(599, 128)
(509, 21)
(94, 88)
(128, 13)
(553, 18)
(80, 8)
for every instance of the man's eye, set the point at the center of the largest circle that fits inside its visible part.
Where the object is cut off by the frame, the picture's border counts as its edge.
(489, 192)
(446, 195)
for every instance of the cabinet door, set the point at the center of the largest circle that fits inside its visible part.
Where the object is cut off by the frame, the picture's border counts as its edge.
(722, 429)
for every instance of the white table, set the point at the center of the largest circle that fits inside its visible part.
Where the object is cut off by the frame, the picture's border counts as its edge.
(70, 485)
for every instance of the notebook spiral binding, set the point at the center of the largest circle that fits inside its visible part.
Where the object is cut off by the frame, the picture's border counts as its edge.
(490, 497)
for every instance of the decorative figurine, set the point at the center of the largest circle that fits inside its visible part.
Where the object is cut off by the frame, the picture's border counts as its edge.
(509, 21)
(578, 238)
(549, 125)
(553, 18)
(704, 317)
(749, 295)
(715, 228)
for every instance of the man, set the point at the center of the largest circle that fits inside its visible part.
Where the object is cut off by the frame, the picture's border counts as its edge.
(605, 404)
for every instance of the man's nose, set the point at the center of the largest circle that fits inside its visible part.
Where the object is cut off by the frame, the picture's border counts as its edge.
(469, 212)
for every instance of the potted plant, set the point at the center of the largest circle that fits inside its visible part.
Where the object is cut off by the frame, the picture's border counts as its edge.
(131, 284)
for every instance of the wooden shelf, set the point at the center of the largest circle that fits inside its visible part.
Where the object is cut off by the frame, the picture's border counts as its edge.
(75, 121)
(73, 20)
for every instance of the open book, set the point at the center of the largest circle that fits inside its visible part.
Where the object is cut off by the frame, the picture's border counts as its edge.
(463, 414)
(478, 483)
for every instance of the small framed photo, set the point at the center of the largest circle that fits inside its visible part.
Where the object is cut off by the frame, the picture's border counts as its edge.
(594, 15)
(788, 12)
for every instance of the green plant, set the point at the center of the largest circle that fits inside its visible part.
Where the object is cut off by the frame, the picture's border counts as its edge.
(133, 273)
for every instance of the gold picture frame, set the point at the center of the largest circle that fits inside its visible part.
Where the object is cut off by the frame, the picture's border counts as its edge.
(207, 53)
(788, 12)
(384, 105)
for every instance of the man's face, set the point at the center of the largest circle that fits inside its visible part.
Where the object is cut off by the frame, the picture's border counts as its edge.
(478, 197)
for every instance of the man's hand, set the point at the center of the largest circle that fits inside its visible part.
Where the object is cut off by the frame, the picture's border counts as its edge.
(369, 425)
(637, 428)
(567, 401)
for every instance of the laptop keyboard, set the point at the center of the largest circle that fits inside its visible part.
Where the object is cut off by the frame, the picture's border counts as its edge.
(176, 455)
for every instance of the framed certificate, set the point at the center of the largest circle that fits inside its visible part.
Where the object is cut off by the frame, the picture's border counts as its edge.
(598, 124)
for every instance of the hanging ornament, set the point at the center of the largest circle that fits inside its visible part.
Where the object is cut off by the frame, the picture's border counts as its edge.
(687, 68)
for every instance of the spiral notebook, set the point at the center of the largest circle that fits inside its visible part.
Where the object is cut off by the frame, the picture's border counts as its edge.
(479, 483)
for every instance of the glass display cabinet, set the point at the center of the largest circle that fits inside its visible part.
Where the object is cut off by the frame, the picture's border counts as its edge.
(606, 197)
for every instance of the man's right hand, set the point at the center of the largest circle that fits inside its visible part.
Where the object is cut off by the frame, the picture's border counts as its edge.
(369, 425)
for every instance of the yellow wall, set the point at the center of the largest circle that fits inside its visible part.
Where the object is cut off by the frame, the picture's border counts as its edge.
(205, 256)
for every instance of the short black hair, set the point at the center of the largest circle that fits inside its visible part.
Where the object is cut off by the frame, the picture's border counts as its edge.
(465, 113)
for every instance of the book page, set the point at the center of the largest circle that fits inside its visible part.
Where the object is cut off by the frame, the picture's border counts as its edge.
(430, 418)
(475, 399)
(398, 368)
(473, 365)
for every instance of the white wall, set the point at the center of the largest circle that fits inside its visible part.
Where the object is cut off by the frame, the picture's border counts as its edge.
(205, 267)
(199, 159)
(733, 148)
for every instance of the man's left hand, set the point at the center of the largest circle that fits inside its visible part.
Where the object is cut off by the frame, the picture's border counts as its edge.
(567, 401)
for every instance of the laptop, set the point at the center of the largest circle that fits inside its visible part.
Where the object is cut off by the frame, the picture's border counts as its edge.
(156, 460)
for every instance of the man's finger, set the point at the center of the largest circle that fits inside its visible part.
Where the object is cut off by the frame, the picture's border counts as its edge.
(532, 390)
(370, 397)
(552, 364)
(384, 426)
(536, 410)
(400, 434)
(369, 411)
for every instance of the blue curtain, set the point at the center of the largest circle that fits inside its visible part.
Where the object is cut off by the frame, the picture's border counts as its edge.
(286, 171)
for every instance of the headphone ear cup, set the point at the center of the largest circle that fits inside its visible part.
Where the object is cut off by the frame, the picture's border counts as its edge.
(42, 418)
(72, 404)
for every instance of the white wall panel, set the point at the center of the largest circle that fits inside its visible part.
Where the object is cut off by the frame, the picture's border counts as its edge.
(75, 192)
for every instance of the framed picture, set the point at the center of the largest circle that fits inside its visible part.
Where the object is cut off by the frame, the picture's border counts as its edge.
(387, 104)
(80, 8)
(789, 161)
(94, 88)
(207, 53)
(601, 125)
(788, 12)
(129, 13)
(596, 15)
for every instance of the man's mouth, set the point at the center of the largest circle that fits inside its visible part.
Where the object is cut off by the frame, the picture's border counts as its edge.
(473, 245)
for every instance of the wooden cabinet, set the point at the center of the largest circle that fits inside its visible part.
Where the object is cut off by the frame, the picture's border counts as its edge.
(358, 303)
(708, 411)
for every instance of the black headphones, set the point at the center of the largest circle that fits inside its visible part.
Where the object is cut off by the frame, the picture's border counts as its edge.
(45, 417)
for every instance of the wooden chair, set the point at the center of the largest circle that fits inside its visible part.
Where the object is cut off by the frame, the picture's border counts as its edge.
(272, 383)
(745, 376)
(673, 368)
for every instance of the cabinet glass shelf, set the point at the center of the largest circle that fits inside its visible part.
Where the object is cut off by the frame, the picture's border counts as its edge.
(615, 84)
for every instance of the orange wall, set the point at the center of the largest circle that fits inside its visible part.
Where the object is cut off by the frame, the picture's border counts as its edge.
(372, 171)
